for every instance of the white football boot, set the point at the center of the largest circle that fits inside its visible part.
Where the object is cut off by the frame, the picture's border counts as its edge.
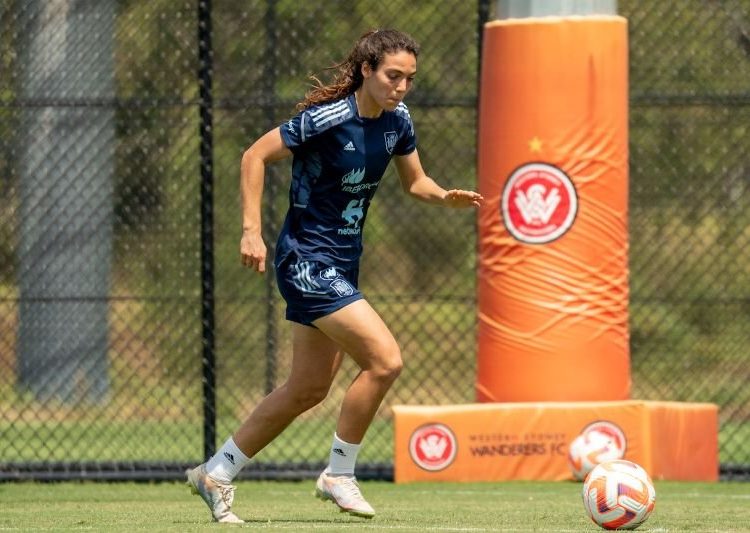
(344, 492)
(218, 496)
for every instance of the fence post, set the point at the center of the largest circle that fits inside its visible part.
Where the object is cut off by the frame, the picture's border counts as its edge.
(205, 74)
(269, 90)
(66, 163)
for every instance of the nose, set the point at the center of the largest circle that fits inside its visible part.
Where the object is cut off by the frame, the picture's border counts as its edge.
(403, 85)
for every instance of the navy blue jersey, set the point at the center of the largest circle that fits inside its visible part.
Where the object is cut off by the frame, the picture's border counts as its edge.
(339, 159)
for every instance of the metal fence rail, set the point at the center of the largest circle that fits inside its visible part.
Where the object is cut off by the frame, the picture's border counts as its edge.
(131, 339)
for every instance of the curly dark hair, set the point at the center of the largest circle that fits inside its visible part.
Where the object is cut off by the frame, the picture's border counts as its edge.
(370, 49)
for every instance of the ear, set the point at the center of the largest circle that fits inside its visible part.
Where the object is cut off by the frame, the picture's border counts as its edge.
(366, 70)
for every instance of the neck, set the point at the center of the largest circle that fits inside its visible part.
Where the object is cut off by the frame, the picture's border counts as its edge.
(366, 106)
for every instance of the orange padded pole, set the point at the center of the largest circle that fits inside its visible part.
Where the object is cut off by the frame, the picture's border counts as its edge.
(553, 247)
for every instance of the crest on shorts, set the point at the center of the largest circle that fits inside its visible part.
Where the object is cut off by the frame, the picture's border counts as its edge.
(342, 287)
(391, 137)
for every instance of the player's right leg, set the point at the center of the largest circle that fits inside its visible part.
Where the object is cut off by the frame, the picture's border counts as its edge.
(315, 360)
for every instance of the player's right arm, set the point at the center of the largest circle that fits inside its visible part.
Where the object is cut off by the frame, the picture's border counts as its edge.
(267, 149)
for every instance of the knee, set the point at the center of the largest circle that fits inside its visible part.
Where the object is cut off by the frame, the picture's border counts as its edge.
(390, 365)
(308, 396)
(393, 371)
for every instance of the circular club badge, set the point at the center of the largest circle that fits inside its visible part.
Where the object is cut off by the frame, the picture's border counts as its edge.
(433, 447)
(539, 203)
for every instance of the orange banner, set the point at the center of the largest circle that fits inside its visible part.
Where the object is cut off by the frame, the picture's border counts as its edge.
(506, 441)
(553, 249)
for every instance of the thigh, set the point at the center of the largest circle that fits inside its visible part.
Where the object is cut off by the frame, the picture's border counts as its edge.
(315, 357)
(360, 332)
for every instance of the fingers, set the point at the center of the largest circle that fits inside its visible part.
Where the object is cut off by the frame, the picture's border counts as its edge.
(259, 265)
(475, 198)
(256, 263)
(253, 252)
(462, 198)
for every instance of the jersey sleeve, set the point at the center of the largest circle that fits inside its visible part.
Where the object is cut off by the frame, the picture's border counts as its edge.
(313, 121)
(297, 130)
(407, 139)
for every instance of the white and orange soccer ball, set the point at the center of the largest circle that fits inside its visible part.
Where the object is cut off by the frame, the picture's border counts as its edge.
(618, 495)
(591, 448)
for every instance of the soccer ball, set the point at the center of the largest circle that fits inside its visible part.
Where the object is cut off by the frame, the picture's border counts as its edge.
(589, 449)
(618, 495)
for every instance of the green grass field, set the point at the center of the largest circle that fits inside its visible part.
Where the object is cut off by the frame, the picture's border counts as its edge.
(290, 506)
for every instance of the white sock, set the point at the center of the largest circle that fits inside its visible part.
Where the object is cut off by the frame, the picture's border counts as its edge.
(227, 462)
(342, 458)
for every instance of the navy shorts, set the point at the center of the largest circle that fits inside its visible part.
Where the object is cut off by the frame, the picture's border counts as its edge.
(313, 289)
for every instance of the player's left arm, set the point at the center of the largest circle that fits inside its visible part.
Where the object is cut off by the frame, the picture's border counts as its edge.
(419, 185)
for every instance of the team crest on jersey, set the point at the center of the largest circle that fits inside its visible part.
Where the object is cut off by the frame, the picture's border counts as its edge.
(391, 137)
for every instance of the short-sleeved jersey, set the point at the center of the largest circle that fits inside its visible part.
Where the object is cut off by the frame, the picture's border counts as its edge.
(339, 159)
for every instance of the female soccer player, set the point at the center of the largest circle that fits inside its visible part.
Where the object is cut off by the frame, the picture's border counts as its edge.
(341, 142)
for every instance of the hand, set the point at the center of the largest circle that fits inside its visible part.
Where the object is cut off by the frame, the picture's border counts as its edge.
(253, 251)
(461, 198)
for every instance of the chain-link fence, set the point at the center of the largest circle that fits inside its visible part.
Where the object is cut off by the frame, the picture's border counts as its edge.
(690, 209)
(132, 340)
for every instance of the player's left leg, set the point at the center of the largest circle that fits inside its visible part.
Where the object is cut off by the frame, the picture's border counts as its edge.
(361, 333)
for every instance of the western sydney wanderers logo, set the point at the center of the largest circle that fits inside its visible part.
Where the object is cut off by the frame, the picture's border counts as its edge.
(433, 447)
(391, 137)
(539, 203)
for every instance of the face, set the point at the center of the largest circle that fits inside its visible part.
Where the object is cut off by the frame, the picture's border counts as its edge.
(388, 85)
